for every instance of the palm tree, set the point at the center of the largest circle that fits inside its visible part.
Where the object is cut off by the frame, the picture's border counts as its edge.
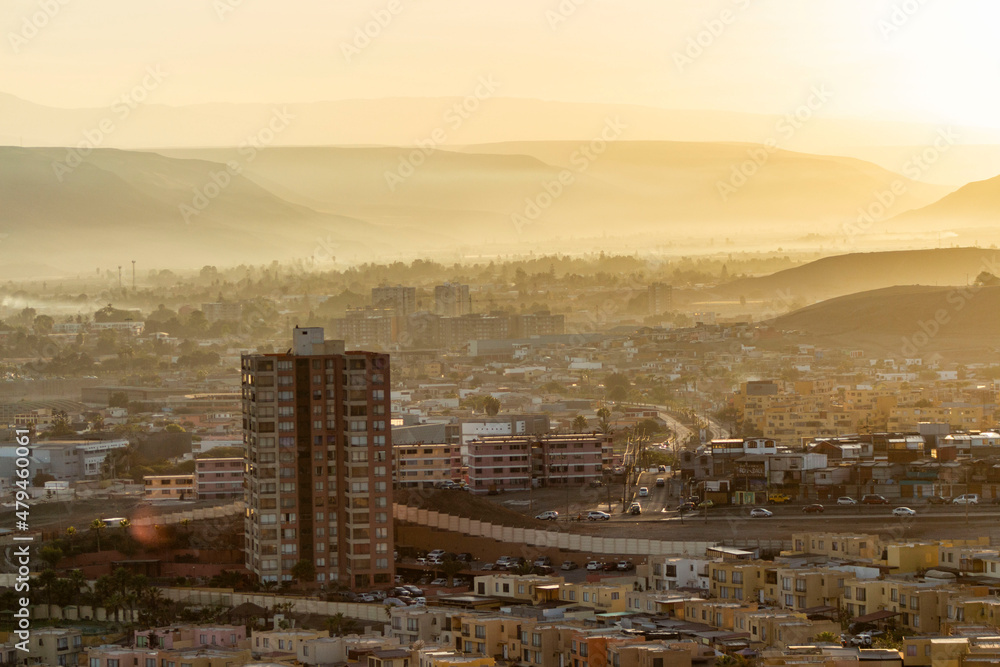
(97, 526)
(579, 424)
(47, 580)
(339, 625)
(79, 581)
(71, 533)
(826, 638)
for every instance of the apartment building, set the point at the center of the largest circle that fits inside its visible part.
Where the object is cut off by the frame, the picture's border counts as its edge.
(431, 625)
(55, 647)
(169, 487)
(452, 300)
(602, 597)
(400, 299)
(665, 573)
(837, 545)
(218, 478)
(423, 465)
(319, 463)
(282, 640)
(512, 463)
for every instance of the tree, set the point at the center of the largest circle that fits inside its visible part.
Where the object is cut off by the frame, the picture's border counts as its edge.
(118, 399)
(339, 625)
(41, 478)
(826, 638)
(51, 555)
(97, 525)
(492, 405)
(579, 424)
(450, 568)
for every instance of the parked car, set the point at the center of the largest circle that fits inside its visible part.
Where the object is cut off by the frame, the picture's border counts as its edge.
(421, 561)
(706, 504)
(594, 565)
(760, 513)
(643, 492)
(420, 601)
(437, 553)
(660, 481)
(874, 499)
(903, 511)
(394, 602)
(686, 507)
(778, 498)
(543, 560)
(598, 516)
(635, 508)
(815, 508)
(937, 500)
(610, 567)
(435, 561)
(846, 500)
(966, 499)
(366, 598)
(544, 570)
(503, 562)
(548, 515)
(440, 581)
(413, 590)
(625, 565)
(488, 566)
(464, 557)
(568, 565)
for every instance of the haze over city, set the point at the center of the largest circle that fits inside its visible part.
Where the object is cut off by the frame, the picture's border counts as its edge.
(543, 333)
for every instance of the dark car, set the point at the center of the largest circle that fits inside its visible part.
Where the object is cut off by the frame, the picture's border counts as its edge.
(815, 508)
(610, 567)
(874, 499)
(937, 500)
(686, 507)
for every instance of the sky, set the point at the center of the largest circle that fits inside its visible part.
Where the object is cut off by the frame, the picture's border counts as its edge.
(928, 60)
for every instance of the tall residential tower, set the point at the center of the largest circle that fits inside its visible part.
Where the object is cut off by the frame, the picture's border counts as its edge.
(318, 463)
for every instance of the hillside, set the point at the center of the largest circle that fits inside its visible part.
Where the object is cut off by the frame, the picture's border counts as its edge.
(632, 187)
(957, 322)
(122, 205)
(857, 272)
(973, 205)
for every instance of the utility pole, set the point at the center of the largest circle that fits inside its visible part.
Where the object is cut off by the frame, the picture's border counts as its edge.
(133, 275)
(119, 278)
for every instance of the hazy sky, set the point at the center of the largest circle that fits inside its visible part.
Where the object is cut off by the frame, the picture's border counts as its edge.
(935, 60)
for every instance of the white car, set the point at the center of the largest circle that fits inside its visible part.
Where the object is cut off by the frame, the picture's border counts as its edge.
(440, 581)
(903, 511)
(437, 553)
(643, 492)
(598, 516)
(760, 513)
(846, 500)
(966, 499)
(550, 515)
(594, 565)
